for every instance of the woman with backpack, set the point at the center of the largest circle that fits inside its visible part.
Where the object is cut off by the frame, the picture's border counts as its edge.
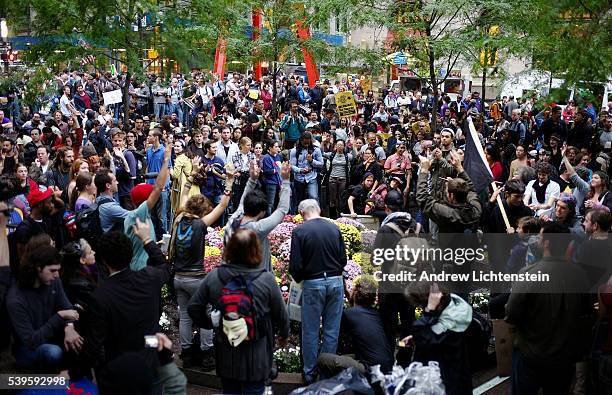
(247, 309)
(336, 176)
(187, 251)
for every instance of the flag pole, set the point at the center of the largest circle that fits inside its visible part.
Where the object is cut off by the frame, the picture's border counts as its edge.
(501, 208)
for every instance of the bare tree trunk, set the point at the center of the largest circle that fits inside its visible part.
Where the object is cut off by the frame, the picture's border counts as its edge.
(434, 85)
(274, 104)
(483, 95)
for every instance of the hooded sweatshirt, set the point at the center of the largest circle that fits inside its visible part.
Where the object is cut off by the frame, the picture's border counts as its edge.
(251, 360)
(440, 336)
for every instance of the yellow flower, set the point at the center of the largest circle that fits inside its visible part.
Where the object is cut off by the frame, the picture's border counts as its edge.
(298, 219)
(212, 251)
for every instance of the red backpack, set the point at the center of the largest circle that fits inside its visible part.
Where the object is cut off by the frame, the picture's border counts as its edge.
(237, 301)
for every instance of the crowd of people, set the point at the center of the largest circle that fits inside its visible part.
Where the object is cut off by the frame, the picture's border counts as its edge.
(87, 199)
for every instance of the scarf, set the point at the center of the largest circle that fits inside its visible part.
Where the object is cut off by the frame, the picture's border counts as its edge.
(540, 191)
(173, 236)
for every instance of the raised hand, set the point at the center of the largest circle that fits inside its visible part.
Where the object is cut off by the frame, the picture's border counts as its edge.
(254, 170)
(285, 171)
(425, 163)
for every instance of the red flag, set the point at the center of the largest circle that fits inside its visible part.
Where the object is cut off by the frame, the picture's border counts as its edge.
(311, 66)
(220, 58)
(256, 26)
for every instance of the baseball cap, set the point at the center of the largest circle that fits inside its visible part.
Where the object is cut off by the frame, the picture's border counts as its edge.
(394, 199)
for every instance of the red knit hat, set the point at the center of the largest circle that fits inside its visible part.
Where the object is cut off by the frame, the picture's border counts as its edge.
(37, 196)
(140, 193)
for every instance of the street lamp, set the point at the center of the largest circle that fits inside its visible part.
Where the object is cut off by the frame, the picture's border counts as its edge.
(3, 30)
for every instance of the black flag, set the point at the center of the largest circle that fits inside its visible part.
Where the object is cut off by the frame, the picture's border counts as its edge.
(475, 162)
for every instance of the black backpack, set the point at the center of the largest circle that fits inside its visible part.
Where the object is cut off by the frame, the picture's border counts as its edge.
(88, 222)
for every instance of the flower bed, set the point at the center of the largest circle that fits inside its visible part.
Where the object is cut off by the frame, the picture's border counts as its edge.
(356, 237)
(359, 243)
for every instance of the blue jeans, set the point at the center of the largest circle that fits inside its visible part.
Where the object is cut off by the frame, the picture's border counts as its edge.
(47, 357)
(161, 212)
(322, 298)
(270, 190)
(529, 376)
(305, 191)
(231, 386)
(160, 110)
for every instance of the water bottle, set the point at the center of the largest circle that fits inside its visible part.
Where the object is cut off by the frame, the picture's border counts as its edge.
(215, 317)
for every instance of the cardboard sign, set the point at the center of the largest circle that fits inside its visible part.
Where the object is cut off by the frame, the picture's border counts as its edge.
(294, 304)
(345, 104)
(112, 97)
(504, 341)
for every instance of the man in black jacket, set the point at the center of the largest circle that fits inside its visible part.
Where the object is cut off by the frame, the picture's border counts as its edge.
(391, 295)
(126, 306)
(318, 256)
(552, 329)
(493, 220)
(363, 325)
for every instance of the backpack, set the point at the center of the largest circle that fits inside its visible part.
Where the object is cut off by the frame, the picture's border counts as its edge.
(477, 336)
(409, 240)
(88, 223)
(238, 301)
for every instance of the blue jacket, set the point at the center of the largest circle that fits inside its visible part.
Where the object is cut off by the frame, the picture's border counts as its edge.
(271, 172)
(292, 127)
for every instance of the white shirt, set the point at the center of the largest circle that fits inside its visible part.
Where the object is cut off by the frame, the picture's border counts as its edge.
(403, 101)
(233, 149)
(553, 189)
(205, 93)
(64, 102)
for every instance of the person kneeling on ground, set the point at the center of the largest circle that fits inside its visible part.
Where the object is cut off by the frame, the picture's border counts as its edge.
(363, 325)
(439, 334)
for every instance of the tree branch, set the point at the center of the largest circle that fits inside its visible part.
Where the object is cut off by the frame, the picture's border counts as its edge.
(450, 67)
(113, 58)
(449, 21)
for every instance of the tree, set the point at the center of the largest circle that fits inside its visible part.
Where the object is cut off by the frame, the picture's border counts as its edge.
(437, 35)
(570, 38)
(118, 31)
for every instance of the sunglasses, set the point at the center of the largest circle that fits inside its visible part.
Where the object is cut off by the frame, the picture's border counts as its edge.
(6, 212)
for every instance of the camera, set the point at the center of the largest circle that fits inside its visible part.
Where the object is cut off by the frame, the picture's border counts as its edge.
(151, 342)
